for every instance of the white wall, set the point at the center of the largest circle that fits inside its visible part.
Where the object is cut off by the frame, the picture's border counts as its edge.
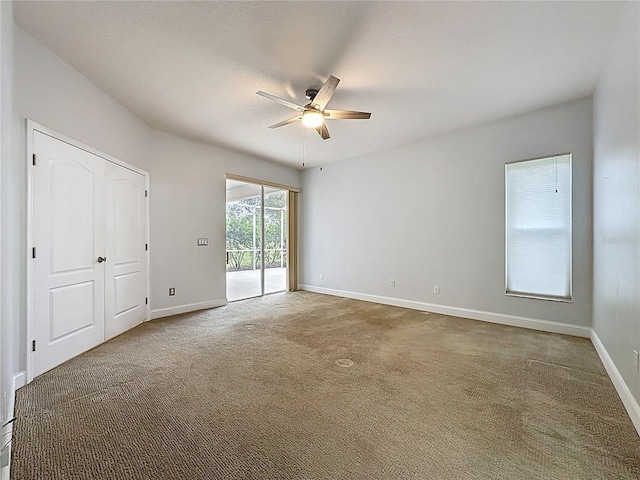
(616, 253)
(8, 307)
(433, 214)
(187, 187)
(52, 93)
(187, 202)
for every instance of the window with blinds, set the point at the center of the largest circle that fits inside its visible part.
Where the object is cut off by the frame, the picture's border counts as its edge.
(538, 228)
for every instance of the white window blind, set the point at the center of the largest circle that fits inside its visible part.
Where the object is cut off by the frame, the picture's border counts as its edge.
(538, 228)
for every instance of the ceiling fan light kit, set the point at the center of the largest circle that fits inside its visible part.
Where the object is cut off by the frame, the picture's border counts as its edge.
(312, 119)
(313, 115)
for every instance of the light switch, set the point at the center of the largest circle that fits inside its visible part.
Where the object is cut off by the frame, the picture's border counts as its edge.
(203, 242)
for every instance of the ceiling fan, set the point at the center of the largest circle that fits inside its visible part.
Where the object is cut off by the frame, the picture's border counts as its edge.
(314, 114)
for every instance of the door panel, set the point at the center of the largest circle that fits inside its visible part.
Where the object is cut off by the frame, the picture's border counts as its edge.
(244, 240)
(275, 242)
(125, 290)
(65, 322)
(72, 195)
(128, 195)
(68, 235)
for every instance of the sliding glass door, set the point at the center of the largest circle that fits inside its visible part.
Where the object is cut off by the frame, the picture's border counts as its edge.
(275, 240)
(256, 217)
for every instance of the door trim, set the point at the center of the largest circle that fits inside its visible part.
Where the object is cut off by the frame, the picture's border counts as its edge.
(33, 127)
(241, 178)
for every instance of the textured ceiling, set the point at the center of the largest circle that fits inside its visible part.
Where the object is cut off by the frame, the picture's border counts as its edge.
(421, 68)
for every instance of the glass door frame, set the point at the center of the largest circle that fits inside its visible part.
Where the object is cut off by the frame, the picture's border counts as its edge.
(283, 250)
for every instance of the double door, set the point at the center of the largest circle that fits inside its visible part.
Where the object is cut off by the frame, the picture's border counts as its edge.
(88, 261)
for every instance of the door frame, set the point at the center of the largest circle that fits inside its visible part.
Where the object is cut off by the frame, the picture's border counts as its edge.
(288, 189)
(33, 127)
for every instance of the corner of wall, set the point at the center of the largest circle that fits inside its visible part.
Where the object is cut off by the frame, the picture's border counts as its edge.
(7, 310)
(628, 400)
(616, 207)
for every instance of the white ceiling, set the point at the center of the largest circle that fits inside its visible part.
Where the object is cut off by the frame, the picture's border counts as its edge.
(421, 68)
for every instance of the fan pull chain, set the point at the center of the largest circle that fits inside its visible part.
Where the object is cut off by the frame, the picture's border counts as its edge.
(303, 129)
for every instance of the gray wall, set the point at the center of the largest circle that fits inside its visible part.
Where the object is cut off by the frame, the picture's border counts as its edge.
(188, 201)
(433, 214)
(616, 200)
(52, 93)
(187, 186)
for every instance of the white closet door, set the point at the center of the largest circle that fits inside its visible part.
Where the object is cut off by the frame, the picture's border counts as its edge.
(68, 236)
(125, 269)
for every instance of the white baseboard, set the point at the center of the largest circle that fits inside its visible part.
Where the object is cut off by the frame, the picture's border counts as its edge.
(501, 318)
(19, 380)
(191, 307)
(629, 402)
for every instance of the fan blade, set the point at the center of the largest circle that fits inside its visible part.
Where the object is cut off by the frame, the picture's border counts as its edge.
(286, 122)
(281, 101)
(323, 131)
(325, 93)
(346, 115)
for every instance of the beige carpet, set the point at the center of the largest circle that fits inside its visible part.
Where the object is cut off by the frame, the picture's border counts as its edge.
(262, 389)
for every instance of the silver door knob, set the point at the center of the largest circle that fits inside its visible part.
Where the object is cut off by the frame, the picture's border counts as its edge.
(102, 259)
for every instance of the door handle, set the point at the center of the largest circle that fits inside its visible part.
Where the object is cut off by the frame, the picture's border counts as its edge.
(102, 259)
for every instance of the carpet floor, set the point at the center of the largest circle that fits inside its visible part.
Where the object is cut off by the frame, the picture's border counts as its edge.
(308, 386)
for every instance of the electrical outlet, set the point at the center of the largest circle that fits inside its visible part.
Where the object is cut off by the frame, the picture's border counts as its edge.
(322, 276)
(436, 290)
(392, 283)
(172, 291)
